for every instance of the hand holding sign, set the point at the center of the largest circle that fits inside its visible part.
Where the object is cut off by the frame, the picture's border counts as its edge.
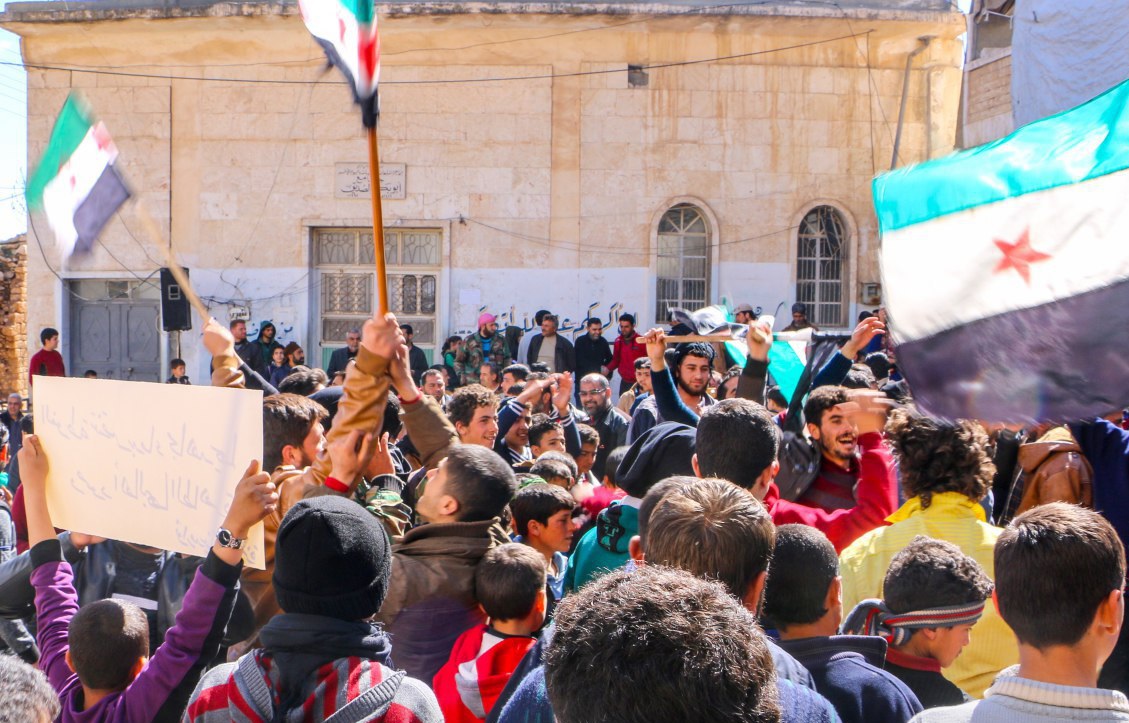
(255, 497)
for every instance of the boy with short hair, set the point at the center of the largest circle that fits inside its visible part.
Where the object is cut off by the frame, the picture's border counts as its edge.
(1060, 572)
(545, 434)
(543, 520)
(177, 367)
(554, 471)
(96, 658)
(510, 583)
(932, 596)
(802, 600)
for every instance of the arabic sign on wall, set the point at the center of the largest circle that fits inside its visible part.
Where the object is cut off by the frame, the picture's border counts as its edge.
(351, 180)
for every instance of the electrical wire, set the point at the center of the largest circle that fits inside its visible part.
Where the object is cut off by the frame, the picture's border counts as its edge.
(443, 81)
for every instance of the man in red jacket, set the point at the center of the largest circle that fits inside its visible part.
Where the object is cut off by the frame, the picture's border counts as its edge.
(626, 350)
(737, 441)
(47, 362)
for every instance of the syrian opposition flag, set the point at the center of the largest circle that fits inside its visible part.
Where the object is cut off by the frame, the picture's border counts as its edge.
(1006, 270)
(76, 184)
(346, 30)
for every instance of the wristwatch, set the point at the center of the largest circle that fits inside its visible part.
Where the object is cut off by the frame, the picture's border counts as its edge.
(226, 539)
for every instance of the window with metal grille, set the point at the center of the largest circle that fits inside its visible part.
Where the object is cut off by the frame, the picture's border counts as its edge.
(683, 261)
(346, 282)
(821, 265)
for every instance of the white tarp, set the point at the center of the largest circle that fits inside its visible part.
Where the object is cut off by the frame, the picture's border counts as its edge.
(1065, 52)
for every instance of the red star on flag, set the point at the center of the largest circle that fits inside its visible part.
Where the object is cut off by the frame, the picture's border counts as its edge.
(1019, 256)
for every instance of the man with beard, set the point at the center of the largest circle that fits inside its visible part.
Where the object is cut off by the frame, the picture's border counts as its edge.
(267, 344)
(552, 349)
(339, 359)
(593, 352)
(249, 351)
(433, 385)
(834, 430)
(480, 348)
(690, 365)
(596, 398)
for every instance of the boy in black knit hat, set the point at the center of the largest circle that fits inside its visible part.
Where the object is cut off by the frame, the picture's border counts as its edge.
(331, 573)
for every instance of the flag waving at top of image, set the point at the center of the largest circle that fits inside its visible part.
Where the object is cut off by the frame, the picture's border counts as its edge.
(1006, 270)
(346, 30)
(76, 184)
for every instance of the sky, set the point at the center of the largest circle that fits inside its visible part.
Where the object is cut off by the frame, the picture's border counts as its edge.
(13, 137)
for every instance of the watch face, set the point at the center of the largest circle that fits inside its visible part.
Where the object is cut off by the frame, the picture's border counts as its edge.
(224, 537)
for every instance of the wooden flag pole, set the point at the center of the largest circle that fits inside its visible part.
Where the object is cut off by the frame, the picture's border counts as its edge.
(377, 223)
(177, 272)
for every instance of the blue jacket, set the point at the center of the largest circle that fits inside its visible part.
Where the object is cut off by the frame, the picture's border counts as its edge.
(1106, 448)
(848, 671)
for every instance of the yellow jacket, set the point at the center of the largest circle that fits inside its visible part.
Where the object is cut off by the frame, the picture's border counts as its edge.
(955, 518)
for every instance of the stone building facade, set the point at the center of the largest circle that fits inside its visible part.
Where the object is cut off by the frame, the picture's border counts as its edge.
(589, 158)
(13, 316)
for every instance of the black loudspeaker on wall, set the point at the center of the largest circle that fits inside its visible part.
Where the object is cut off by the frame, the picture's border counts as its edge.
(175, 312)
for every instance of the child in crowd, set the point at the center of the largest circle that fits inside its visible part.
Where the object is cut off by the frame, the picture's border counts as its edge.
(510, 583)
(802, 599)
(178, 370)
(1060, 576)
(933, 595)
(543, 520)
(554, 471)
(96, 658)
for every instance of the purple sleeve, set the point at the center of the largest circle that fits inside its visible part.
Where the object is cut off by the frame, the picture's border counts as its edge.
(56, 602)
(168, 680)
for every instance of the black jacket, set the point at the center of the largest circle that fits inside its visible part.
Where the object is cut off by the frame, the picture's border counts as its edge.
(417, 360)
(592, 355)
(564, 358)
(613, 433)
(94, 572)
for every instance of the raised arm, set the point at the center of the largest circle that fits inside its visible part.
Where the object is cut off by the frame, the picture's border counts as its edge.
(750, 385)
(225, 362)
(360, 412)
(431, 432)
(56, 600)
(163, 688)
(561, 399)
(876, 491)
(670, 404)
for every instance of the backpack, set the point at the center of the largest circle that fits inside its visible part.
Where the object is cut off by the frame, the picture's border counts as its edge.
(368, 707)
(800, 461)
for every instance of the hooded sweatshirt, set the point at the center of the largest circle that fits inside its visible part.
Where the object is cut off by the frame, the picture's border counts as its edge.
(481, 664)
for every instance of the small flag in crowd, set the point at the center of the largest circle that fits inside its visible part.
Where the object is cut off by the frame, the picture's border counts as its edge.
(76, 184)
(346, 30)
(1006, 269)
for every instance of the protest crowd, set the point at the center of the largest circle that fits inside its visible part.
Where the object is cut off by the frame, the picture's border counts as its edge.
(547, 529)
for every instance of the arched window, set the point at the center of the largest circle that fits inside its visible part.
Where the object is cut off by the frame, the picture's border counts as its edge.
(683, 261)
(821, 266)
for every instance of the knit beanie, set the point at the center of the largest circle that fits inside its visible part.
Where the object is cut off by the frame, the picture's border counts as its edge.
(664, 450)
(332, 558)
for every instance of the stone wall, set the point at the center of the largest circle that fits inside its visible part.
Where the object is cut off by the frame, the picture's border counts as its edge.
(988, 115)
(13, 316)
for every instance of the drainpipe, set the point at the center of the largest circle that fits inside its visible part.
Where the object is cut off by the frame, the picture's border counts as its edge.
(923, 43)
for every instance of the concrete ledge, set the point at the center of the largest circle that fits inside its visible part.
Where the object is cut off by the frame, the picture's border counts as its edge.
(55, 12)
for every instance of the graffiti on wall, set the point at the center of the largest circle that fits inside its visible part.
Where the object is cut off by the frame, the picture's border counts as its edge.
(571, 324)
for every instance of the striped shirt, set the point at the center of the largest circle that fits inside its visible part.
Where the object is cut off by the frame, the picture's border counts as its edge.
(954, 518)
